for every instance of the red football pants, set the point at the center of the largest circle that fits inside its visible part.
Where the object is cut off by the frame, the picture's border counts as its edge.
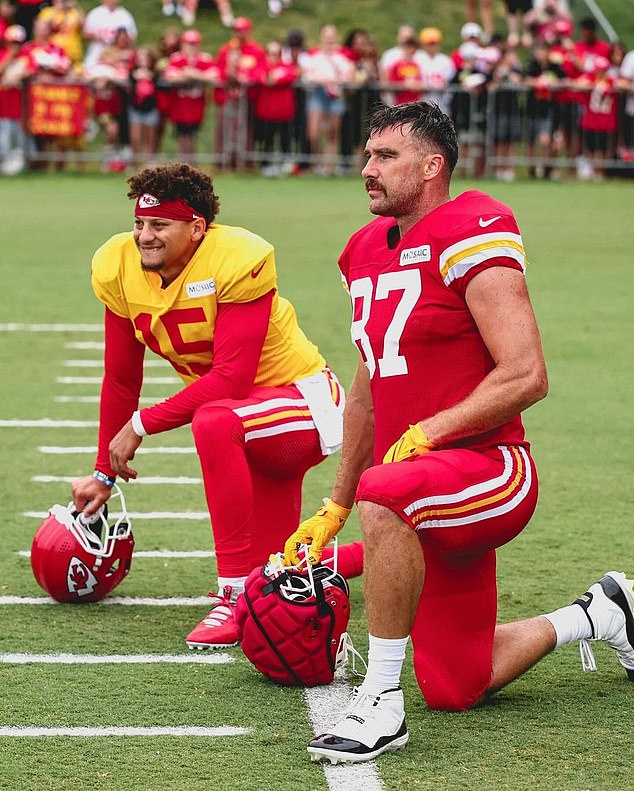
(254, 454)
(463, 504)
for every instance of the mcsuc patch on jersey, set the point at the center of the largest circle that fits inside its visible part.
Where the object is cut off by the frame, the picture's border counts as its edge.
(415, 255)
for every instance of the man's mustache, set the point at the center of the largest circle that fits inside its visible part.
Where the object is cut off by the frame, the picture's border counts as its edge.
(372, 184)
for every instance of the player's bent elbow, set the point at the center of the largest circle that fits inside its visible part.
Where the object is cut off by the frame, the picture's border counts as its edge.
(538, 384)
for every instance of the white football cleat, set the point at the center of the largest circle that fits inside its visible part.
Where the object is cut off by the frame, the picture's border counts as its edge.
(374, 724)
(609, 606)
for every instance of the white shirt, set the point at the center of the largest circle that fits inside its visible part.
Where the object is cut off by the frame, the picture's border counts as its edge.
(386, 61)
(326, 68)
(437, 72)
(103, 23)
(627, 71)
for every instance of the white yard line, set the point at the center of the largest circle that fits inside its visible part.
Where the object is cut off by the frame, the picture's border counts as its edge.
(149, 481)
(325, 706)
(96, 380)
(14, 327)
(74, 399)
(99, 364)
(152, 553)
(222, 730)
(192, 516)
(65, 450)
(196, 658)
(47, 422)
(126, 601)
(86, 345)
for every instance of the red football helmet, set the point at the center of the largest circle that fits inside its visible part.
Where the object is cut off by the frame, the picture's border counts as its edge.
(292, 622)
(79, 562)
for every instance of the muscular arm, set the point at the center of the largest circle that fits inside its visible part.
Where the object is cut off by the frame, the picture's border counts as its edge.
(499, 303)
(358, 438)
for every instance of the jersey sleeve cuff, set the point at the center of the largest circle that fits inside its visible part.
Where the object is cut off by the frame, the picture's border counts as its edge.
(137, 424)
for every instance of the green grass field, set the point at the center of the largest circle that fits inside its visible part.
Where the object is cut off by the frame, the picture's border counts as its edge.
(556, 729)
(381, 19)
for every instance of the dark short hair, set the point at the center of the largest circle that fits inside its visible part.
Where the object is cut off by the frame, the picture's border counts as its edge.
(427, 122)
(176, 181)
(295, 38)
(588, 23)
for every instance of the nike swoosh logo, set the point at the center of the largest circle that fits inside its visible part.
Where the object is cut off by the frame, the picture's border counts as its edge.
(257, 271)
(486, 223)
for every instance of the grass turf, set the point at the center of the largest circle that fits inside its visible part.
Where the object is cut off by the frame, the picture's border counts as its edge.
(554, 729)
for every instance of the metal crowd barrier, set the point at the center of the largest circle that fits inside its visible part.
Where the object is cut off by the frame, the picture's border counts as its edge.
(59, 124)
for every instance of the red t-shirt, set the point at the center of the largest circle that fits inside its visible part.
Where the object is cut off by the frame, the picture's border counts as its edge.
(187, 104)
(249, 67)
(410, 319)
(45, 58)
(10, 97)
(404, 71)
(275, 99)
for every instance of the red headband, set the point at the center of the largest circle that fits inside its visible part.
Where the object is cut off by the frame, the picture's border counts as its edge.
(149, 206)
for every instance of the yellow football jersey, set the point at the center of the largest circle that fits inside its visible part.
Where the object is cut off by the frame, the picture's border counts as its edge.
(177, 322)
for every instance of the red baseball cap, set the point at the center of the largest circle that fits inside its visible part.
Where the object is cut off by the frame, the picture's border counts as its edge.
(191, 37)
(242, 23)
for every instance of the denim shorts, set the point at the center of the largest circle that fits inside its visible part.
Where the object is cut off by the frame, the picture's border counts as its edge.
(148, 119)
(319, 100)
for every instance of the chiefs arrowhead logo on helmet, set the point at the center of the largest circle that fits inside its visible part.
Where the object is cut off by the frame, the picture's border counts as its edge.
(80, 579)
(292, 622)
(78, 562)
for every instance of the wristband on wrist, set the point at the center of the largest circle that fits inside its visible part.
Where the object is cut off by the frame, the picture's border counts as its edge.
(101, 476)
(137, 424)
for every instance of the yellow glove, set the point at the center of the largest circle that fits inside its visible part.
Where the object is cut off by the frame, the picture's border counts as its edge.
(317, 532)
(414, 442)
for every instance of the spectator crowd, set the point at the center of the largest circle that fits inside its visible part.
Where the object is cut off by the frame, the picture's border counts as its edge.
(546, 91)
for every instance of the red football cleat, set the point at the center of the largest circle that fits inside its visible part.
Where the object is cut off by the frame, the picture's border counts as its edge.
(218, 629)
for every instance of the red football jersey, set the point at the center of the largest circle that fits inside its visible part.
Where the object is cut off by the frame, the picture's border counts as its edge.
(600, 112)
(410, 319)
(588, 53)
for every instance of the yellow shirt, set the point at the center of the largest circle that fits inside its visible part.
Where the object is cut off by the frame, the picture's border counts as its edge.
(67, 27)
(177, 322)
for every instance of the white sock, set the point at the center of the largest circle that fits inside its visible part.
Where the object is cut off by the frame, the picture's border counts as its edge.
(385, 662)
(235, 583)
(570, 624)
